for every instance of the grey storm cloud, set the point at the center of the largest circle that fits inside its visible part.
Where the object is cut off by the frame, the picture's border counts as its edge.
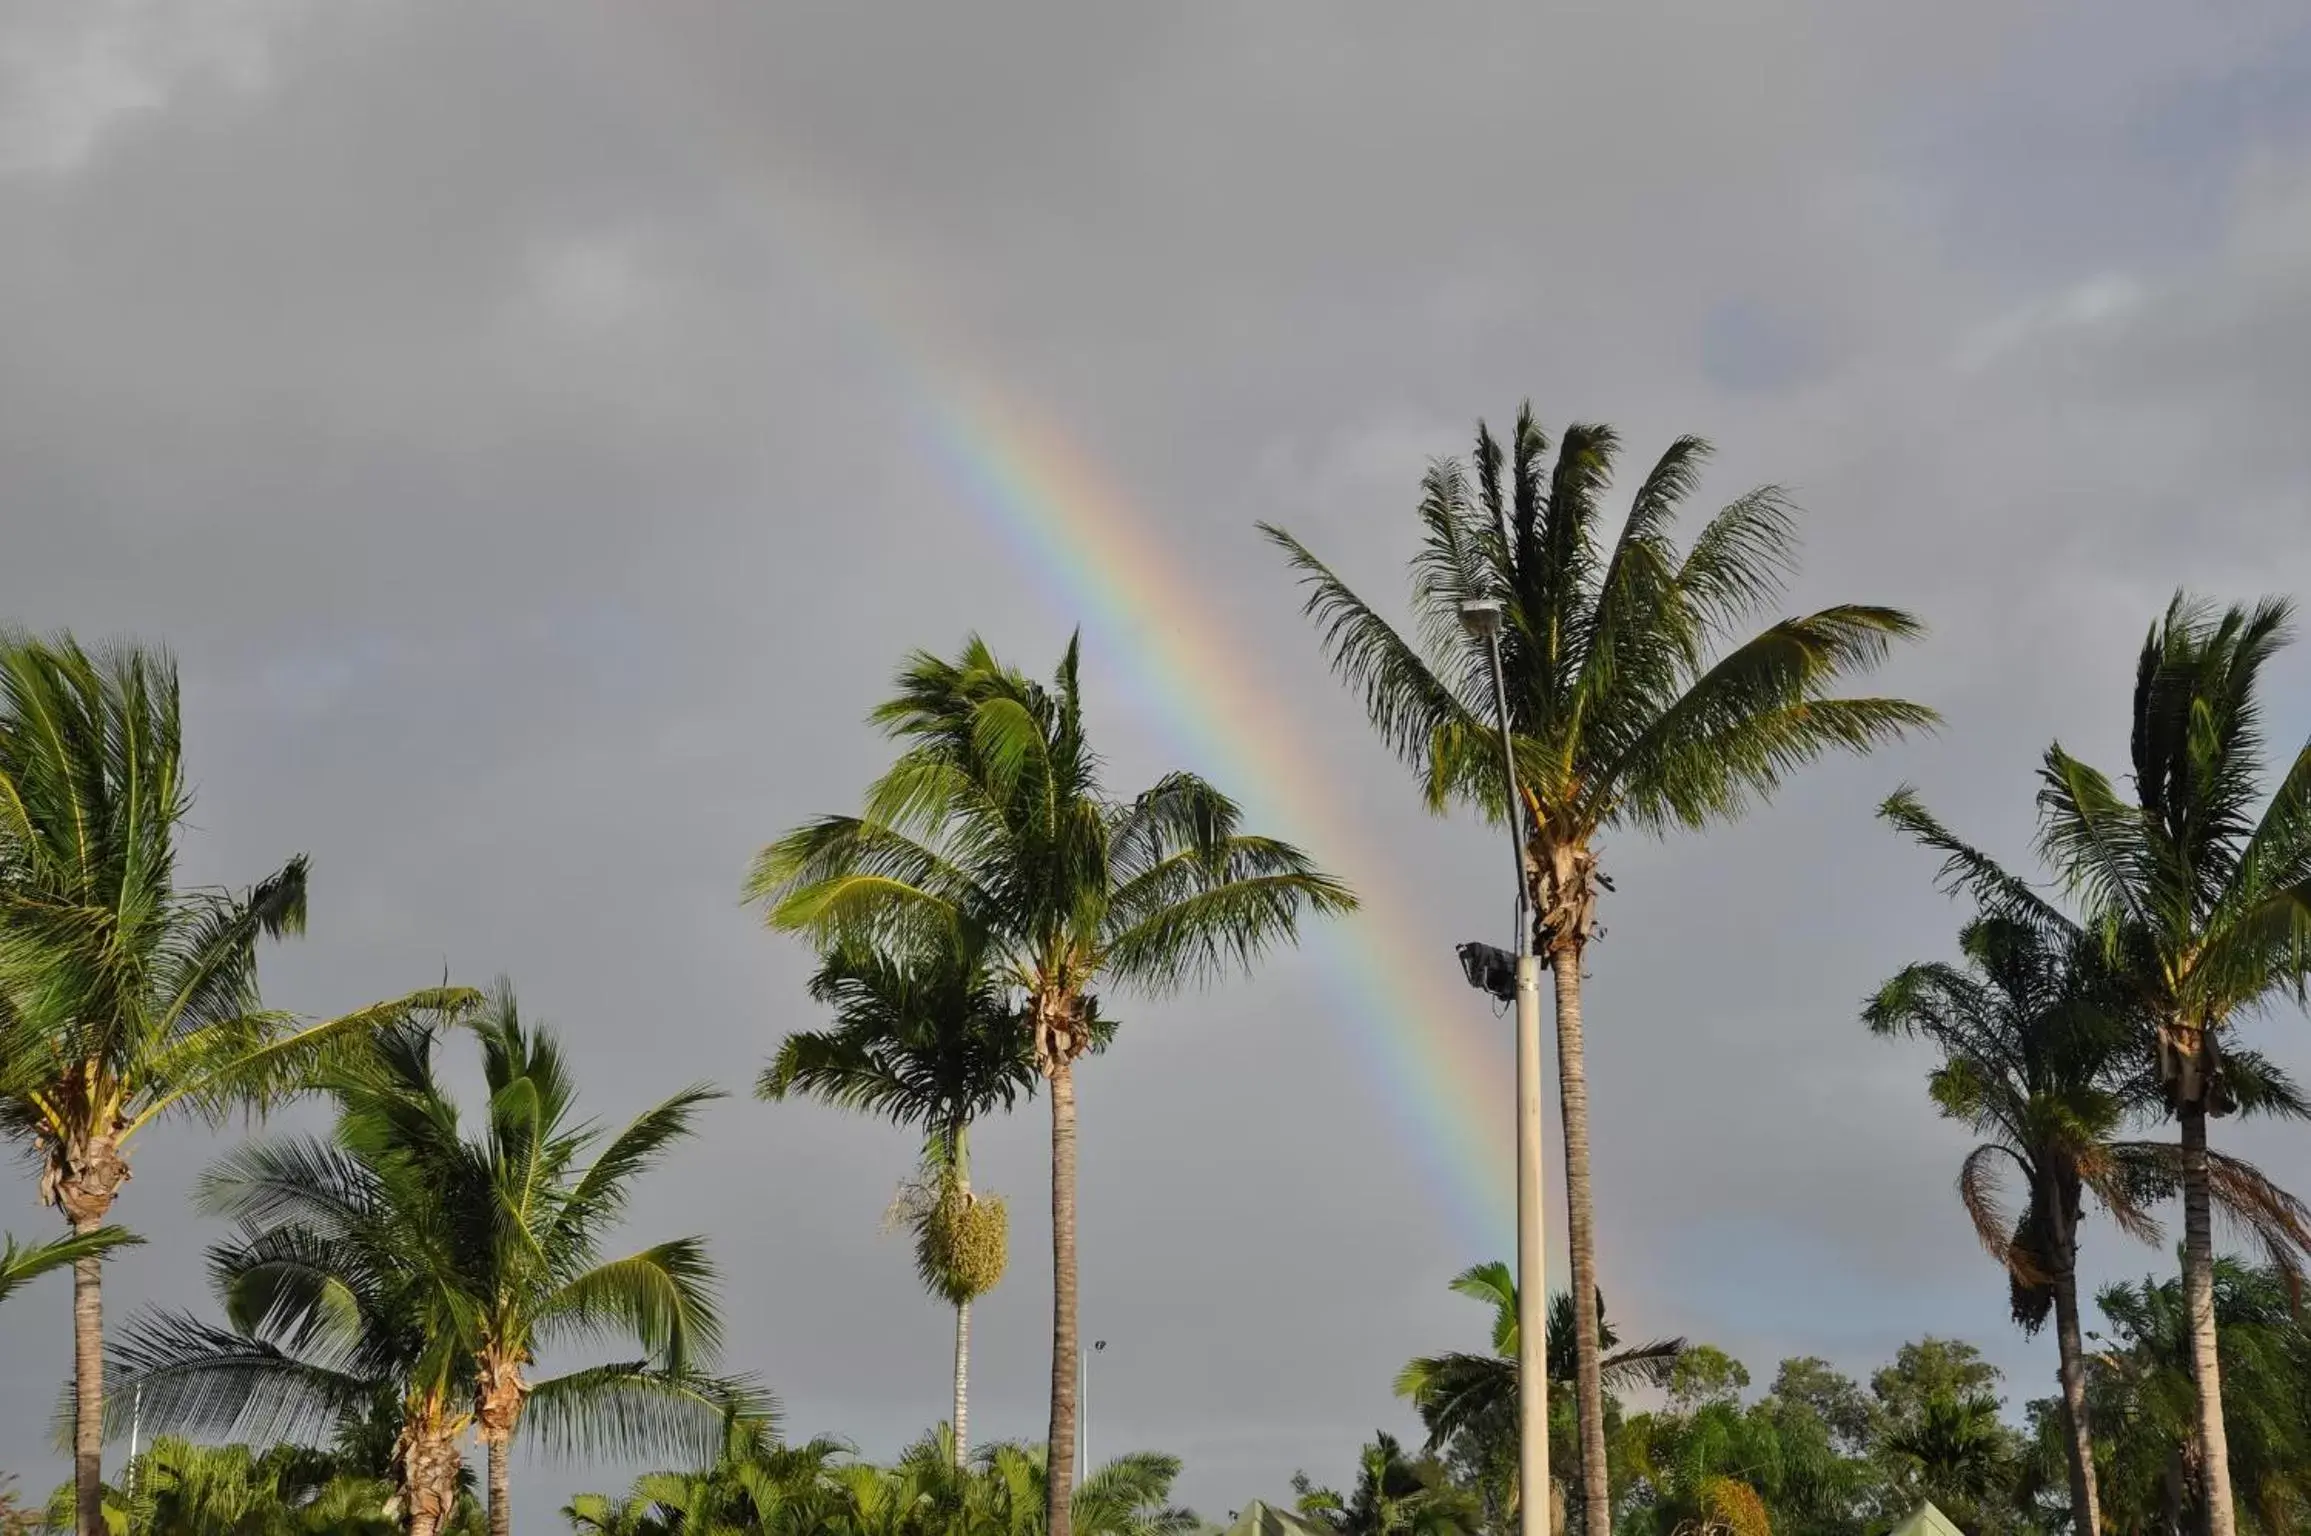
(512, 416)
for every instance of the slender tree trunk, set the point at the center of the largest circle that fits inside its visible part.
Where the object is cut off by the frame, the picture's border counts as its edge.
(962, 1384)
(501, 1489)
(1588, 1385)
(1059, 1494)
(88, 1389)
(82, 1178)
(2199, 1299)
(2085, 1501)
(959, 1158)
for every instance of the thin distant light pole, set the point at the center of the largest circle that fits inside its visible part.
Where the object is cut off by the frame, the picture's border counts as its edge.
(1083, 1410)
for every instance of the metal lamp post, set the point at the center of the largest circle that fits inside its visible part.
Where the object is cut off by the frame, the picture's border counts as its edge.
(1083, 1410)
(1482, 617)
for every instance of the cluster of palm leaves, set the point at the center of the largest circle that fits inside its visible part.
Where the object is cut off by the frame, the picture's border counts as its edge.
(402, 1276)
(758, 1486)
(178, 1488)
(2142, 1403)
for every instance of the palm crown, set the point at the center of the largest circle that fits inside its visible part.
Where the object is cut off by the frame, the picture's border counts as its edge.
(407, 1257)
(933, 1041)
(121, 995)
(1624, 709)
(994, 828)
(2213, 900)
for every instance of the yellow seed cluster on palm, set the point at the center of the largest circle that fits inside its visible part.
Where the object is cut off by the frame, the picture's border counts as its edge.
(963, 1243)
(1733, 1507)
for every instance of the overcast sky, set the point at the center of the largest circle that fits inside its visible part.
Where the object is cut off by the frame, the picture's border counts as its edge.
(533, 425)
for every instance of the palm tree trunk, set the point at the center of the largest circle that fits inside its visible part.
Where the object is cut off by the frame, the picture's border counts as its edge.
(959, 1156)
(1588, 1384)
(501, 1491)
(88, 1389)
(2199, 1299)
(1060, 1464)
(426, 1466)
(82, 1179)
(2085, 1501)
(962, 1385)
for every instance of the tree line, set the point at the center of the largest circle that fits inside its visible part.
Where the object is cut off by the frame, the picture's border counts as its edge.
(390, 1285)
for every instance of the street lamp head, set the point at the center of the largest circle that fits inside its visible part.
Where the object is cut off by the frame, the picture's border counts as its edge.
(1491, 970)
(1097, 1345)
(1481, 616)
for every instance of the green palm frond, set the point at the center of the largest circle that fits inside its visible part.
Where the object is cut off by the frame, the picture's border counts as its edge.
(1402, 693)
(20, 1266)
(633, 1408)
(1968, 870)
(661, 1296)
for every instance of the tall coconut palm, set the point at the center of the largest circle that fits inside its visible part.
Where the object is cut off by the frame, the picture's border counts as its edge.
(122, 996)
(934, 1043)
(1635, 701)
(993, 831)
(407, 1256)
(2202, 905)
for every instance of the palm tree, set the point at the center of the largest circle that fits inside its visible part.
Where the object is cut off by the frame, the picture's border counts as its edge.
(20, 1266)
(2202, 906)
(1395, 1495)
(407, 1258)
(1628, 708)
(1472, 1398)
(933, 1043)
(994, 833)
(2037, 1062)
(122, 996)
(2140, 1394)
(1009, 1492)
(1956, 1452)
(754, 1483)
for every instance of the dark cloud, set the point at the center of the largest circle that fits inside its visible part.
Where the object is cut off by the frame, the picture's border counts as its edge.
(516, 421)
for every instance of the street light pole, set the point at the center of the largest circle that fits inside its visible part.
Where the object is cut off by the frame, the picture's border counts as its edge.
(1482, 616)
(1083, 1410)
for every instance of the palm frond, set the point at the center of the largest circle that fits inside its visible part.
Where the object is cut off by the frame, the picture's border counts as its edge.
(1402, 694)
(21, 1265)
(633, 1409)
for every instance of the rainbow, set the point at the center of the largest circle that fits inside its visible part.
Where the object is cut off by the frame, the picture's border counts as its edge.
(1420, 1033)
(1418, 1026)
